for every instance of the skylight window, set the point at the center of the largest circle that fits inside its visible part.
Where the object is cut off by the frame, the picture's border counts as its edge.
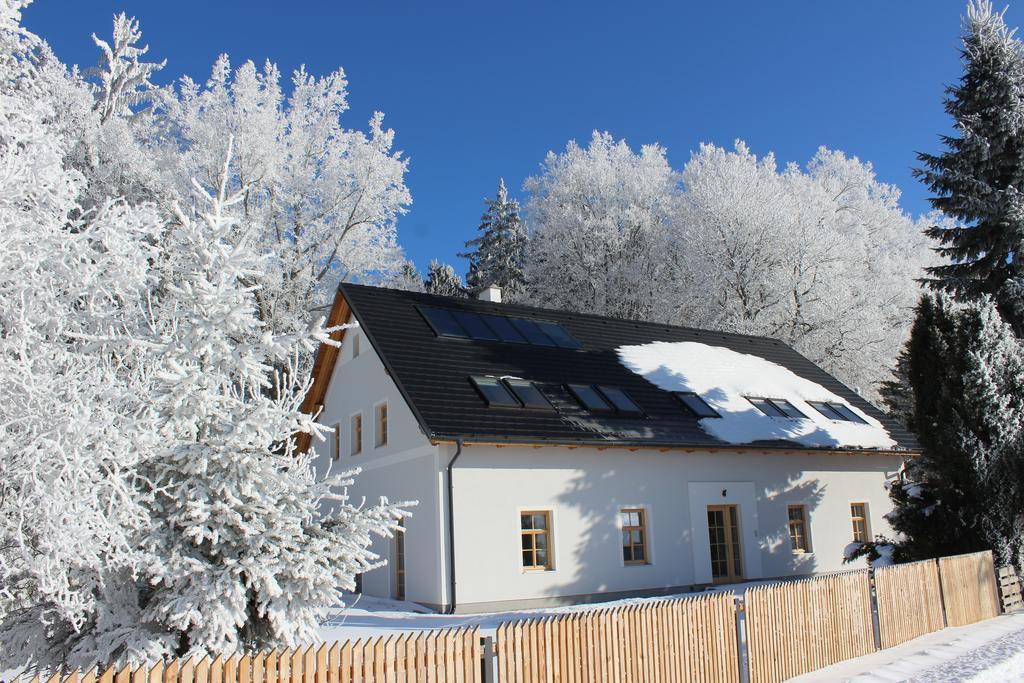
(494, 392)
(776, 407)
(528, 394)
(695, 404)
(836, 411)
(590, 398)
(621, 400)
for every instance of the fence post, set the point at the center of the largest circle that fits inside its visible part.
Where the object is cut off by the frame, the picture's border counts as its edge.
(876, 626)
(742, 643)
(487, 659)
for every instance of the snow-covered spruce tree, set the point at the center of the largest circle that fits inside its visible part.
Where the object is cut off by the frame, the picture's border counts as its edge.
(247, 548)
(443, 280)
(598, 218)
(73, 423)
(407, 278)
(497, 254)
(979, 179)
(966, 490)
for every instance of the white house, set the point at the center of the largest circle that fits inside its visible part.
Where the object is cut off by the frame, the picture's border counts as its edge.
(560, 457)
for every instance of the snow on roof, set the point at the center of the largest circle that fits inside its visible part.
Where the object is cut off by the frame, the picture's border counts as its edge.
(724, 378)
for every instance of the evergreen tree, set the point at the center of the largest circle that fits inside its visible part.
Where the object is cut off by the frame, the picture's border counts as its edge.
(979, 179)
(497, 253)
(443, 280)
(964, 492)
(408, 278)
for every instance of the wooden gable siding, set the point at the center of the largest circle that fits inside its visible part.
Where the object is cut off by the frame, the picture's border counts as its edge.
(323, 367)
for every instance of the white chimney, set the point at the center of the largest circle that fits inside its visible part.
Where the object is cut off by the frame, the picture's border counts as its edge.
(490, 293)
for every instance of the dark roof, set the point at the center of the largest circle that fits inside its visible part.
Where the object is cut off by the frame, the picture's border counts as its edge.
(432, 373)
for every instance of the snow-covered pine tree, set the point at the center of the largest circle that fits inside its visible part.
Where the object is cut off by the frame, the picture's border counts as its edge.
(407, 278)
(123, 79)
(248, 548)
(443, 280)
(964, 493)
(496, 255)
(979, 179)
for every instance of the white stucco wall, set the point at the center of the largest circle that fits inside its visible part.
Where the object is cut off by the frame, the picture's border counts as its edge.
(585, 488)
(406, 469)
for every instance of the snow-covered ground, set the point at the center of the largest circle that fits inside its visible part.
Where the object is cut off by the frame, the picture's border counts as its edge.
(367, 616)
(992, 650)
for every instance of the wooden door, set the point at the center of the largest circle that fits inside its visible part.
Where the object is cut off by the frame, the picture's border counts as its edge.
(724, 538)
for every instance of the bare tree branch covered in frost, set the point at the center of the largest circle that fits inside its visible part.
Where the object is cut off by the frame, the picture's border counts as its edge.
(822, 258)
(151, 502)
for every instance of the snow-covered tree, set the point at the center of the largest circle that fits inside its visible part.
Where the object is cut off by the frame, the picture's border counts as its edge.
(599, 219)
(979, 179)
(407, 278)
(74, 425)
(123, 78)
(443, 280)
(242, 554)
(320, 200)
(821, 258)
(498, 252)
(966, 490)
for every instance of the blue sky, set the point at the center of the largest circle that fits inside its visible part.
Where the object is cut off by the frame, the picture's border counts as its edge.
(480, 90)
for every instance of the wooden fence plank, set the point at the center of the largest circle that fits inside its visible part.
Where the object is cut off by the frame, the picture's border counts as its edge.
(909, 598)
(968, 588)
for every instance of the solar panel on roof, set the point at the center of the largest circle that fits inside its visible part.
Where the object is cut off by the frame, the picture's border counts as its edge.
(558, 335)
(533, 334)
(504, 328)
(443, 322)
(475, 325)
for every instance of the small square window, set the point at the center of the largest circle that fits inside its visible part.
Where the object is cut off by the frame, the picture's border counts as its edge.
(357, 434)
(695, 404)
(634, 536)
(528, 394)
(382, 425)
(535, 539)
(798, 529)
(776, 407)
(621, 400)
(590, 399)
(859, 519)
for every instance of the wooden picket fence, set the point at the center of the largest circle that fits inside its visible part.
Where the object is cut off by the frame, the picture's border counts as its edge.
(1010, 590)
(448, 656)
(799, 626)
(664, 641)
(969, 588)
(909, 599)
(792, 627)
